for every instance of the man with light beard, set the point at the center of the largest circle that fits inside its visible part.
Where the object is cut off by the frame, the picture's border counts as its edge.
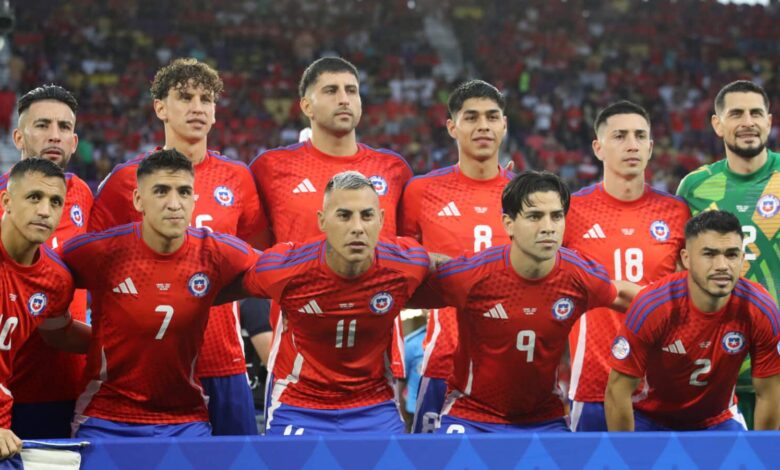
(745, 183)
(46, 381)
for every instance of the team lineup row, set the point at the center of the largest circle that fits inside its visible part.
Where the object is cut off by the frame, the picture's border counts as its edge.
(336, 339)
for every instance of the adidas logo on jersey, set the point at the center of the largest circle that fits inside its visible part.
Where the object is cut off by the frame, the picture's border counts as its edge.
(450, 210)
(304, 186)
(496, 312)
(675, 348)
(595, 232)
(311, 307)
(126, 287)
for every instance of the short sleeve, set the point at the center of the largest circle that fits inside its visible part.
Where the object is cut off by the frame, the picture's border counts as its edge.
(253, 219)
(409, 211)
(113, 204)
(765, 340)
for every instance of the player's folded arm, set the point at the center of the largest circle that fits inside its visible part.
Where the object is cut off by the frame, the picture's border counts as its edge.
(64, 333)
(232, 292)
(626, 291)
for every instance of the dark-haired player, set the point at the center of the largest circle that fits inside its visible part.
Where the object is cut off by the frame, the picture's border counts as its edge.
(456, 211)
(516, 305)
(687, 335)
(153, 283)
(635, 231)
(291, 180)
(185, 93)
(46, 381)
(35, 285)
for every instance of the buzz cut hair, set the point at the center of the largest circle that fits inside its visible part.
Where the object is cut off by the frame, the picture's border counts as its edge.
(35, 165)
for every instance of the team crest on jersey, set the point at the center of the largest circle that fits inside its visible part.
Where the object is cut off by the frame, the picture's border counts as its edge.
(620, 348)
(380, 184)
(778, 347)
(563, 308)
(224, 196)
(37, 303)
(76, 215)
(768, 206)
(733, 342)
(199, 284)
(659, 230)
(381, 303)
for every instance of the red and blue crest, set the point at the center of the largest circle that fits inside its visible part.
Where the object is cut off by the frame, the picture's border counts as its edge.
(77, 215)
(36, 304)
(381, 303)
(199, 284)
(768, 205)
(563, 308)
(733, 342)
(224, 196)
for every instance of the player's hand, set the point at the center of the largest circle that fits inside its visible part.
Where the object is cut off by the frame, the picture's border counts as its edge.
(510, 165)
(9, 444)
(437, 259)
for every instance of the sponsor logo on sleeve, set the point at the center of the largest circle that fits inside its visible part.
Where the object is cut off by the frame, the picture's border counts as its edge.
(620, 348)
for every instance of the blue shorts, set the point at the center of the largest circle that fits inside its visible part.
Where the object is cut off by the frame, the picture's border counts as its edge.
(96, 428)
(382, 418)
(49, 420)
(231, 406)
(588, 416)
(737, 423)
(430, 399)
(455, 425)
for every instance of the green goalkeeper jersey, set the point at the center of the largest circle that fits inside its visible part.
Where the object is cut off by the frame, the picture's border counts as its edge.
(755, 200)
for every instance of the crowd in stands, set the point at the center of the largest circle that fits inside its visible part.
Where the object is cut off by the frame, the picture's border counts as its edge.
(557, 61)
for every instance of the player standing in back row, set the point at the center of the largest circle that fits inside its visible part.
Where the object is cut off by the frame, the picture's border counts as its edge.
(185, 93)
(635, 231)
(456, 211)
(291, 180)
(46, 381)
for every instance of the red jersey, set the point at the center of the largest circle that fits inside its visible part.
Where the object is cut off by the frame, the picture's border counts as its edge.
(42, 373)
(691, 359)
(637, 241)
(338, 330)
(30, 295)
(454, 215)
(149, 313)
(226, 201)
(513, 331)
(291, 181)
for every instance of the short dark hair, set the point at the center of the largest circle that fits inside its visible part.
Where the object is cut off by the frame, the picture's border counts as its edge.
(474, 89)
(324, 65)
(180, 73)
(739, 86)
(35, 165)
(518, 191)
(717, 221)
(47, 92)
(619, 107)
(168, 160)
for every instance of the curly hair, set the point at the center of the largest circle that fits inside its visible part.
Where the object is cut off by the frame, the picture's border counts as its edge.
(181, 73)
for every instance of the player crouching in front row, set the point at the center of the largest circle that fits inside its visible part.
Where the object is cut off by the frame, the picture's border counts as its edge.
(516, 305)
(339, 293)
(688, 334)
